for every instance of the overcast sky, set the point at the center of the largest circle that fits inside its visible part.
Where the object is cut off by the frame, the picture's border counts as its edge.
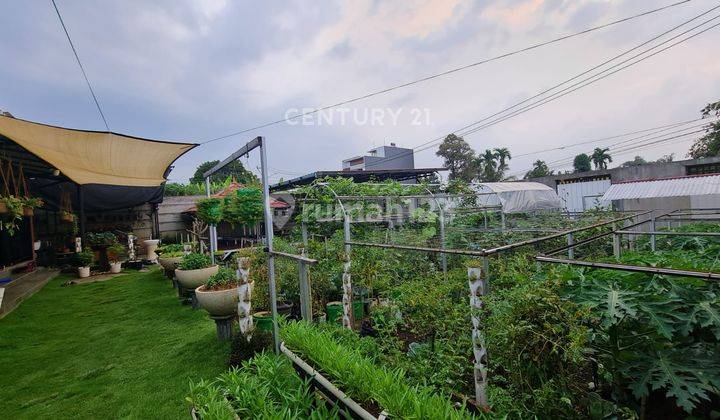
(196, 70)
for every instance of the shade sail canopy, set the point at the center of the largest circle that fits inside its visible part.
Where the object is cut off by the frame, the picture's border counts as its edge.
(671, 187)
(92, 157)
(519, 197)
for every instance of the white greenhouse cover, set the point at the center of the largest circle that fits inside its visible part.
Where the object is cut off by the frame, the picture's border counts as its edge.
(671, 187)
(519, 197)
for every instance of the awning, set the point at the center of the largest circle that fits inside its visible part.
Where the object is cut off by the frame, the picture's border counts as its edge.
(519, 197)
(670, 187)
(93, 157)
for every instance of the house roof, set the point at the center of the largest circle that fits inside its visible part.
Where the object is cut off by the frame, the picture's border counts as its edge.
(665, 187)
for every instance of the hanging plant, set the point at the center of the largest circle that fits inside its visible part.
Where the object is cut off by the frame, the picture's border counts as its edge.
(245, 207)
(30, 204)
(12, 215)
(209, 210)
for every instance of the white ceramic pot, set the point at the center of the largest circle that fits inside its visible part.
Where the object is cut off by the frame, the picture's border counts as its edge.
(115, 267)
(36, 245)
(218, 303)
(83, 272)
(191, 279)
(150, 246)
(169, 263)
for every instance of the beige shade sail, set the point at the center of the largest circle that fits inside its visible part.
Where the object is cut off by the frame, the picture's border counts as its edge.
(92, 157)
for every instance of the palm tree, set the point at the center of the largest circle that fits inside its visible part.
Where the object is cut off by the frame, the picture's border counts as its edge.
(601, 158)
(487, 165)
(503, 154)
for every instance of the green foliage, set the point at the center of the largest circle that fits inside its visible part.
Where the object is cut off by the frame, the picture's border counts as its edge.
(245, 207)
(458, 158)
(32, 202)
(242, 349)
(83, 258)
(709, 144)
(209, 210)
(100, 238)
(582, 162)
(177, 189)
(264, 387)
(170, 248)
(9, 221)
(600, 158)
(539, 169)
(195, 261)
(221, 280)
(234, 170)
(116, 252)
(365, 382)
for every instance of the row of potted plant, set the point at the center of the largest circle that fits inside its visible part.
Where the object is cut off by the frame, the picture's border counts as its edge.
(12, 210)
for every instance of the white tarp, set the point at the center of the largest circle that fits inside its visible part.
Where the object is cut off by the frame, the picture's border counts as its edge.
(671, 187)
(519, 197)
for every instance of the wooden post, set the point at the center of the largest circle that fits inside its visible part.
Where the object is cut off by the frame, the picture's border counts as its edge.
(245, 289)
(476, 282)
(616, 245)
(571, 250)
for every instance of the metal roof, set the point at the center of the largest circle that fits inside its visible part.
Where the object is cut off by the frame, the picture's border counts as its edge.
(356, 175)
(670, 187)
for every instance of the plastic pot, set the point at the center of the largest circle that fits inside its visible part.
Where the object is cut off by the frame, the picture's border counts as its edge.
(83, 272)
(334, 312)
(263, 321)
(358, 309)
(192, 279)
(218, 302)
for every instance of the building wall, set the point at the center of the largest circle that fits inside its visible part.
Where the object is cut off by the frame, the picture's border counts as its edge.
(384, 157)
(576, 187)
(171, 221)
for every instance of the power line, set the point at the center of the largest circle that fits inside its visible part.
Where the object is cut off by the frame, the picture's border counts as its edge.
(82, 69)
(447, 72)
(468, 130)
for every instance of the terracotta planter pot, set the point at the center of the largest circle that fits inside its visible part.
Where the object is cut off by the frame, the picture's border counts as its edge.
(169, 263)
(83, 272)
(28, 211)
(3, 208)
(68, 218)
(191, 279)
(218, 302)
(115, 267)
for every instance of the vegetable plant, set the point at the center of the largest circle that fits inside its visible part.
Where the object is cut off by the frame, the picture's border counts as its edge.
(195, 261)
(83, 258)
(116, 252)
(223, 279)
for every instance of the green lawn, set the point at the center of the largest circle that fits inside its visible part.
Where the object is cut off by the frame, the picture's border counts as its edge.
(120, 348)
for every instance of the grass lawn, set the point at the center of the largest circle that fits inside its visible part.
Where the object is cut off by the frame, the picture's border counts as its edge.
(119, 348)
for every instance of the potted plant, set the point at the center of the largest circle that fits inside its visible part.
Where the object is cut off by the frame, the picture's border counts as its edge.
(194, 270)
(170, 260)
(12, 210)
(67, 216)
(116, 253)
(30, 204)
(83, 260)
(209, 210)
(219, 294)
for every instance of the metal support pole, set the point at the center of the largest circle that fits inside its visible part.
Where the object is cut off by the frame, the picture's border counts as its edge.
(211, 229)
(305, 294)
(476, 281)
(269, 238)
(486, 271)
(443, 256)
(304, 232)
(616, 245)
(571, 250)
(485, 219)
(652, 237)
(502, 221)
(348, 316)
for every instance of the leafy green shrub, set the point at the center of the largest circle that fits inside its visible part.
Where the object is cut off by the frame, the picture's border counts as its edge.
(241, 349)
(195, 261)
(116, 252)
(223, 279)
(209, 210)
(365, 382)
(173, 254)
(264, 387)
(100, 238)
(14, 213)
(245, 207)
(84, 258)
(168, 248)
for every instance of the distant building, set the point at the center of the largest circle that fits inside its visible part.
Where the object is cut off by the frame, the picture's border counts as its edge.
(382, 158)
(583, 190)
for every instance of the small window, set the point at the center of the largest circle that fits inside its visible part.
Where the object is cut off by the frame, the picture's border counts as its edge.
(707, 168)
